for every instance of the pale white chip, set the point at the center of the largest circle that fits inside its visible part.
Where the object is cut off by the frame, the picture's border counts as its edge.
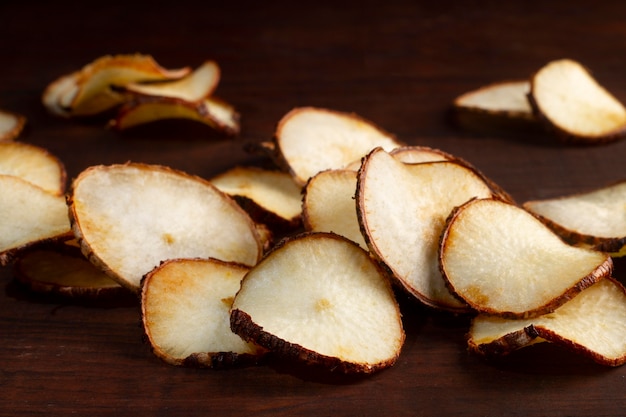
(502, 260)
(572, 101)
(402, 209)
(595, 218)
(131, 217)
(192, 88)
(310, 140)
(321, 299)
(29, 215)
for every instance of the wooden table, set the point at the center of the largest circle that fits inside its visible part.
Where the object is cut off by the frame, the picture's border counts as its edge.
(399, 64)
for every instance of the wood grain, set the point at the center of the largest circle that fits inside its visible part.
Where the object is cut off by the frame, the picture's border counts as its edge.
(397, 63)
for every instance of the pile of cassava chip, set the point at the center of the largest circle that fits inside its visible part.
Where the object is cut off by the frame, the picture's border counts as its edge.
(141, 91)
(304, 261)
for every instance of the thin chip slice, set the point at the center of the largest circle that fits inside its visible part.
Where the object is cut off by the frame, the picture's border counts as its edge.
(213, 112)
(595, 218)
(185, 307)
(593, 324)
(329, 196)
(413, 154)
(131, 217)
(33, 164)
(223, 114)
(328, 204)
(193, 88)
(567, 97)
(29, 215)
(310, 140)
(321, 299)
(502, 260)
(270, 197)
(507, 97)
(58, 95)
(500, 106)
(11, 125)
(94, 81)
(417, 154)
(402, 209)
(59, 272)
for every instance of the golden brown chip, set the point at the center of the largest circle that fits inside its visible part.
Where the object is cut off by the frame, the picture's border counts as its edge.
(59, 272)
(186, 313)
(212, 112)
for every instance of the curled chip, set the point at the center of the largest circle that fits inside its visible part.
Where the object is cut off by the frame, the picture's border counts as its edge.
(568, 99)
(402, 209)
(592, 324)
(593, 218)
(193, 88)
(91, 90)
(58, 95)
(59, 270)
(187, 98)
(142, 91)
(496, 107)
(502, 260)
(211, 111)
(11, 125)
(33, 164)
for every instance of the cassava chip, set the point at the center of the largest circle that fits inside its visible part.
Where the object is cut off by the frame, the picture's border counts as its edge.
(500, 106)
(568, 98)
(58, 95)
(90, 91)
(131, 217)
(29, 215)
(507, 97)
(417, 154)
(33, 164)
(270, 197)
(402, 209)
(310, 140)
(185, 306)
(328, 204)
(412, 154)
(211, 111)
(61, 272)
(329, 196)
(502, 260)
(320, 298)
(11, 125)
(192, 88)
(595, 218)
(593, 324)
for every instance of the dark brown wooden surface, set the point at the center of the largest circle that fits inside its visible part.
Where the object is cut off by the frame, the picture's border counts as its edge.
(397, 63)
